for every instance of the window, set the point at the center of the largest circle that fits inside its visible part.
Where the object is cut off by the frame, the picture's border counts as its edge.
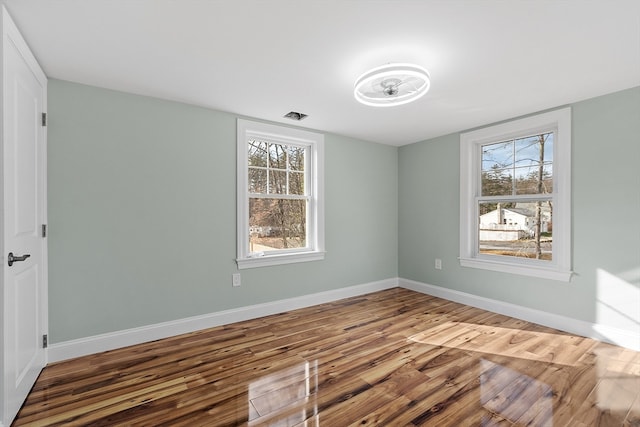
(515, 196)
(280, 195)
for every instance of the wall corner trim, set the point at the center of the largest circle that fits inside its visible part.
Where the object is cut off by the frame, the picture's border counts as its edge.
(616, 336)
(113, 340)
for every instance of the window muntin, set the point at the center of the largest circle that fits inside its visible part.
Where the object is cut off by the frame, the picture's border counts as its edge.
(515, 210)
(280, 206)
(521, 226)
(278, 202)
(518, 166)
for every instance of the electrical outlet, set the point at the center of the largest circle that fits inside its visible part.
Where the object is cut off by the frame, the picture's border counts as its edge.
(438, 264)
(235, 279)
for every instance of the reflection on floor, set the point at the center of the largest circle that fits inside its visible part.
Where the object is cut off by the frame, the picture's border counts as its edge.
(391, 358)
(292, 390)
(499, 385)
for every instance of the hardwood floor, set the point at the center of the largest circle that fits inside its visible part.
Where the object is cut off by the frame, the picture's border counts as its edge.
(391, 358)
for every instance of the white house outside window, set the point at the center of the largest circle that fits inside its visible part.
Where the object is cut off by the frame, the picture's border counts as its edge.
(280, 195)
(515, 196)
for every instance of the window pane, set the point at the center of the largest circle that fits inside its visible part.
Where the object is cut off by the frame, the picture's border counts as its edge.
(257, 180)
(534, 180)
(276, 224)
(497, 182)
(257, 153)
(497, 156)
(533, 150)
(296, 183)
(277, 156)
(277, 182)
(521, 166)
(527, 151)
(296, 158)
(516, 229)
(548, 148)
(534, 170)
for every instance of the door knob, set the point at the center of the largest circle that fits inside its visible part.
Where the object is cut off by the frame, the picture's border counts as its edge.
(12, 258)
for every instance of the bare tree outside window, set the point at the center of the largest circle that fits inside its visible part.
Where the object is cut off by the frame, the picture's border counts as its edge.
(277, 196)
(515, 207)
(515, 196)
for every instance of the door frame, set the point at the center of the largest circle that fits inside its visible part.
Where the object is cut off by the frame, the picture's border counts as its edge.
(11, 34)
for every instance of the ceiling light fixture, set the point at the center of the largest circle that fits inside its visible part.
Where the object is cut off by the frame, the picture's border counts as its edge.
(392, 84)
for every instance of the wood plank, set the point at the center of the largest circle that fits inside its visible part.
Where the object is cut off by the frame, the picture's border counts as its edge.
(394, 357)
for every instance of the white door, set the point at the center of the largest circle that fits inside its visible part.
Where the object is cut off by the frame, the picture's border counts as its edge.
(24, 207)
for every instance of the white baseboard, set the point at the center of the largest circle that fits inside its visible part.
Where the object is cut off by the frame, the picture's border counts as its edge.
(621, 337)
(113, 340)
(110, 341)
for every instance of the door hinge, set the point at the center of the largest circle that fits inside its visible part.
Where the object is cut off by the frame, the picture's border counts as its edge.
(44, 230)
(45, 341)
(44, 119)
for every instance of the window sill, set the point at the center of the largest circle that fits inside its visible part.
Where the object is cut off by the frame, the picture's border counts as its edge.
(525, 270)
(269, 260)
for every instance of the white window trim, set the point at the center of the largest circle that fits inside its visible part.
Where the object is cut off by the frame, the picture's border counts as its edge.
(315, 226)
(471, 143)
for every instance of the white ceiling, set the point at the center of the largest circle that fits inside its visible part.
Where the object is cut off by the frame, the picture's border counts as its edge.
(489, 60)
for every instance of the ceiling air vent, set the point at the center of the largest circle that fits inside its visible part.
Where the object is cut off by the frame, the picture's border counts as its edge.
(293, 115)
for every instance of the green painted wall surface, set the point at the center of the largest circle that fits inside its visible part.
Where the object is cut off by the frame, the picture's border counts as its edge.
(606, 213)
(142, 214)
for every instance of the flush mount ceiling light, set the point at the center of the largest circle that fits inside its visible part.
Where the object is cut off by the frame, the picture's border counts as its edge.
(392, 84)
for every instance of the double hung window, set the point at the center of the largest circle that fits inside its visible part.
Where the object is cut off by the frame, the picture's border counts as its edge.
(515, 196)
(280, 206)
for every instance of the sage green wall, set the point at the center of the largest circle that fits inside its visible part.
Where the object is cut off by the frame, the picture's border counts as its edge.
(142, 214)
(606, 219)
